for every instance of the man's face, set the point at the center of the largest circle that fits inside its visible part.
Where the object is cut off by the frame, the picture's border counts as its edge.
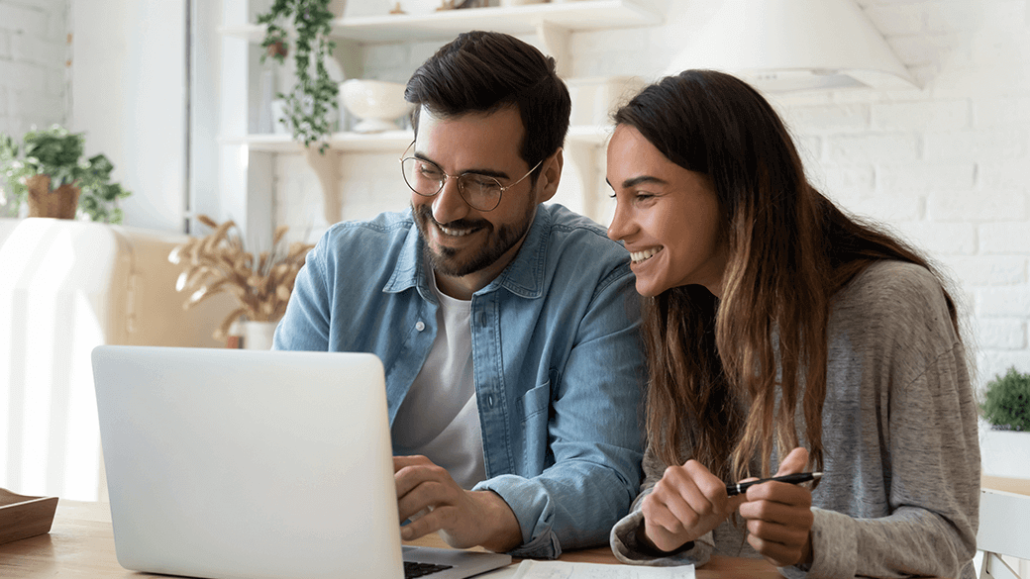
(462, 241)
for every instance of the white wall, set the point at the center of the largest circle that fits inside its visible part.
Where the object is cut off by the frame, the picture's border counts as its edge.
(114, 69)
(129, 96)
(946, 166)
(33, 72)
(33, 52)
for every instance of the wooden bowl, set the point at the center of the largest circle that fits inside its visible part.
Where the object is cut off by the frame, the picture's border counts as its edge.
(22, 517)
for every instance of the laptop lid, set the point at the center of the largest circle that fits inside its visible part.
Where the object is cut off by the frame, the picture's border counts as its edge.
(251, 464)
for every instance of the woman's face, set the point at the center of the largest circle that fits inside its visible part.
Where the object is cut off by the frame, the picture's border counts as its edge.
(667, 217)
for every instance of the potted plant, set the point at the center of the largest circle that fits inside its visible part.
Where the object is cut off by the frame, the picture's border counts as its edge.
(308, 24)
(262, 284)
(48, 171)
(1005, 445)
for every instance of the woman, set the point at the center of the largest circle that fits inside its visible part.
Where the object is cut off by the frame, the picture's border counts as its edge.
(777, 326)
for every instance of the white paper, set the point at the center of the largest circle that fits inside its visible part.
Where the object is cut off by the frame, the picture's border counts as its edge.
(564, 570)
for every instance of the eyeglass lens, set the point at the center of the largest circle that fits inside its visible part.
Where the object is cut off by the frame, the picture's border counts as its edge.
(481, 192)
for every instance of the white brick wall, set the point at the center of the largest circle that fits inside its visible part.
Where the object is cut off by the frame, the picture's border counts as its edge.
(946, 166)
(33, 70)
(33, 55)
(969, 167)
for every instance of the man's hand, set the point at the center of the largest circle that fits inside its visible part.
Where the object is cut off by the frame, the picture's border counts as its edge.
(779, 516)
(463, 518)
(686, 503)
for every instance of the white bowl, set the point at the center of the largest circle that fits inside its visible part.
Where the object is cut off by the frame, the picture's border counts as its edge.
(377, 103)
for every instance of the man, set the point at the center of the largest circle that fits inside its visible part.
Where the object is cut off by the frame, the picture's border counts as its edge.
(508, 329)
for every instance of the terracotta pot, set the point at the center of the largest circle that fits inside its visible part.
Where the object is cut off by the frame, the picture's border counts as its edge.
(59, 203)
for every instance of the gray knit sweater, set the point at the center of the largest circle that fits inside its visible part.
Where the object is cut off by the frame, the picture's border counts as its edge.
(900, 490)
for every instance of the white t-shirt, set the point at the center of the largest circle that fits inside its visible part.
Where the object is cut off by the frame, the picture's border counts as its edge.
(439, 418)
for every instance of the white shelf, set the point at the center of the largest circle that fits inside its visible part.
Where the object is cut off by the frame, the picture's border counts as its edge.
(570, 15)
(390, 141)
(345, 142)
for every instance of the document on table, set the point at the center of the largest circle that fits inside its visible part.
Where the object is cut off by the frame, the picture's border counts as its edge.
(565, 570)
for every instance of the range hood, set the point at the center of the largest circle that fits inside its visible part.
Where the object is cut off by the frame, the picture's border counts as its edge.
(794, 45)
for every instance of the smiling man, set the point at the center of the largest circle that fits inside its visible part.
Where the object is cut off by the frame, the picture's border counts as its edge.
(509, 329)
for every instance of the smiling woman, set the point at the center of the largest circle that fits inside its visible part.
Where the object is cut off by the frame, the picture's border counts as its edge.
(783, 336)
(667, 217)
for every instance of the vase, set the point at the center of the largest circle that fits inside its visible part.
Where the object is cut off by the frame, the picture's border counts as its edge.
(60, 203)
(1004, 453)
(258, 335)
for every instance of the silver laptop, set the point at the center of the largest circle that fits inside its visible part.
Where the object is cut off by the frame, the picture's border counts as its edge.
(253, 464)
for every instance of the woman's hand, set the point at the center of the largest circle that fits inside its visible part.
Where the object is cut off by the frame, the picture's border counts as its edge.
(779, 516)
(685, 504)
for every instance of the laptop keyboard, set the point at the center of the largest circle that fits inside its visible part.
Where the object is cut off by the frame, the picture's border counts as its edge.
(414, 569)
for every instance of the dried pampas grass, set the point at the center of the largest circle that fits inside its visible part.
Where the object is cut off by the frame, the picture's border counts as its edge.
(218, 263)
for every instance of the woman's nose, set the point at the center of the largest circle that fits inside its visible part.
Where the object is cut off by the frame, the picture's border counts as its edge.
(617, 229)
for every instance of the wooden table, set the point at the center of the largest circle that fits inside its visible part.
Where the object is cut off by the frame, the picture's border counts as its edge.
(81, 546)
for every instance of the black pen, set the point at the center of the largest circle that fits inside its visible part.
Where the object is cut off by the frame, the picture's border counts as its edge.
(741, 487)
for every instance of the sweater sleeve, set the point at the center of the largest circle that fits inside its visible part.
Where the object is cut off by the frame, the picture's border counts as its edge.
(933, 492)
(910, 504)
(624, 542)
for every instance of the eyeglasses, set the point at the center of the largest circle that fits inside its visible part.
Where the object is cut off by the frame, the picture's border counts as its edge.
(481, 192)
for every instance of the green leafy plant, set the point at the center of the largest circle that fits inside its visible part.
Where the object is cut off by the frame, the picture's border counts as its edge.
(1007, 401)
(57, 153)
(314, 95)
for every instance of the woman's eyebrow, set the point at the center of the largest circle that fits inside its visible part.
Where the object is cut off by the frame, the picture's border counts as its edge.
(634, 181)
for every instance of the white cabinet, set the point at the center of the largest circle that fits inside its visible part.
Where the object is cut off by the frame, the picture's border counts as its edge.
(245, 162)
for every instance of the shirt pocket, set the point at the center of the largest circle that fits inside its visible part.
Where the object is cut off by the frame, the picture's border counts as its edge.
(536, 405)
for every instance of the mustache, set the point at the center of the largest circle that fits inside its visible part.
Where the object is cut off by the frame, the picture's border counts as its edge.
(426, 214)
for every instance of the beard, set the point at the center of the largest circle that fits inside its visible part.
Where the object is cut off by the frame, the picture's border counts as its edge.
(451, 262)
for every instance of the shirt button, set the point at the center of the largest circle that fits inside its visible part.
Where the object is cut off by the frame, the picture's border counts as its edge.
(490, 400)
(420, 326)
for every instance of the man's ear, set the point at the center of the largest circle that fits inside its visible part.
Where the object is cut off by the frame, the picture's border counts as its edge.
(550, 175)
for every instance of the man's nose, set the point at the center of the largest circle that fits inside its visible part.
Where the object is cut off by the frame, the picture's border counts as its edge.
(448, 205)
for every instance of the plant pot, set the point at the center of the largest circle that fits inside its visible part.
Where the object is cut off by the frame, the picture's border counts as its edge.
(1005, 453)
(60, 203)
(258, 335)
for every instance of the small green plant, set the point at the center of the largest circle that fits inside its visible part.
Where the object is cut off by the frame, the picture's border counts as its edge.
(308, 104)
(57, 153)
(1007, 401)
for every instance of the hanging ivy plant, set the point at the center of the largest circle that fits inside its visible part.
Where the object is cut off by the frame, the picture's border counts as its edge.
(309, 102)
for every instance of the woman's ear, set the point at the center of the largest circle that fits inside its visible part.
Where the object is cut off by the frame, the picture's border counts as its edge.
(550, 175)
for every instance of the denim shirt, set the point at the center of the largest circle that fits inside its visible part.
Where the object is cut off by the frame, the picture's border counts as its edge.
(557, 359)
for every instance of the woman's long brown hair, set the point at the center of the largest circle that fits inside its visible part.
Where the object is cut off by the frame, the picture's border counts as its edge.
(763, 345)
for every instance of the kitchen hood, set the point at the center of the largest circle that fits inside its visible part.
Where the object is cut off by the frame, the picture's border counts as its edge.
(794, 45)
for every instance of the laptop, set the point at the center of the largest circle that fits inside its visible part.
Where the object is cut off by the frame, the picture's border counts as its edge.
(228, 464)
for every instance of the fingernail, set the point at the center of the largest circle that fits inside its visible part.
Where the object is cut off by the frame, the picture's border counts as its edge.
(405, 533)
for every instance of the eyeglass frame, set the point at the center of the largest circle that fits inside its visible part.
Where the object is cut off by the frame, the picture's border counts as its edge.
(461, 191)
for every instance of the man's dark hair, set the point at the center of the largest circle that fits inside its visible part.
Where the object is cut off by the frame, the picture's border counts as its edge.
(487, 71)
